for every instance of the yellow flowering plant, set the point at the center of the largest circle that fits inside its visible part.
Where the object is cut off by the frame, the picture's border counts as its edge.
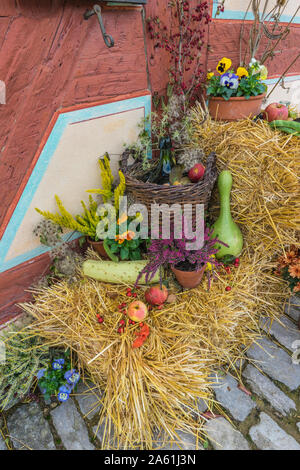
(87, 222)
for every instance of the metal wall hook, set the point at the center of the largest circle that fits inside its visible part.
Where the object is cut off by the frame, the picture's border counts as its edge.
(96, 10)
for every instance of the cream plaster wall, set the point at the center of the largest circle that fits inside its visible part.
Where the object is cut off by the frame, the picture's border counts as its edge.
(290, 93)
(241, 5)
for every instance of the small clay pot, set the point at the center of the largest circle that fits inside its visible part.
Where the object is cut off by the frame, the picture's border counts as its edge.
(237, 107)
(98, 247)
(188, 279)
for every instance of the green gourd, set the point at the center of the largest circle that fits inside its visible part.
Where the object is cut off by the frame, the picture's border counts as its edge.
(225, 229)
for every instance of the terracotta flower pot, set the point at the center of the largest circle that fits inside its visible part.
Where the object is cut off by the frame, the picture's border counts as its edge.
(188, 279)
(235, 108)
(98, 247)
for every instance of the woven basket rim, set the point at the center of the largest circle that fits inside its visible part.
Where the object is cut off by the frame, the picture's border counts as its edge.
(164, 188)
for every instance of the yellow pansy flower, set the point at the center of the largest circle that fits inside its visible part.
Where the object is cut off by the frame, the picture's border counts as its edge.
(130, 235)
(242, 72)
(224, 65)
(209, 75)
(120, 239)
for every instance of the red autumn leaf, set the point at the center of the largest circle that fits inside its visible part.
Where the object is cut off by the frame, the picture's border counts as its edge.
(137, 343)
(210, 415)
(142, 335)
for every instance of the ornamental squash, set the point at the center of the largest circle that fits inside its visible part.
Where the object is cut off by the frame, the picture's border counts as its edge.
(225, 229)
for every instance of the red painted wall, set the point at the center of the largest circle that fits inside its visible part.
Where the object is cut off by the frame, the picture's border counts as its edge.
(51, 58)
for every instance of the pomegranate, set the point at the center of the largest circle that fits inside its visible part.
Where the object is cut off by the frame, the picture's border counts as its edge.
(156, 296)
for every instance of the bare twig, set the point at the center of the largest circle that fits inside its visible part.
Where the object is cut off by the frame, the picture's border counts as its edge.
(283, 74)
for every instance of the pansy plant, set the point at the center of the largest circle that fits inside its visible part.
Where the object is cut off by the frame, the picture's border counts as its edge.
(58, 379)
(229, 84)
(127, 245)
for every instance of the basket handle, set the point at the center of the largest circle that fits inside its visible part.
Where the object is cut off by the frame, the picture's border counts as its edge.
(124, 160)
(123, 164)
(211, 171)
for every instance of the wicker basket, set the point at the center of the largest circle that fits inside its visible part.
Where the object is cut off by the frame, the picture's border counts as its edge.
(150, 193)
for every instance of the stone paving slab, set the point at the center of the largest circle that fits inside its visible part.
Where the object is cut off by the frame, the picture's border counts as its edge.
(286, 333)
(232, 398)
(28, 429)
(202, 406)
(267, 435)
(71, 427)
(223, 436)
(275, 362)
(292, 308)
(264, 387)
(99, 433)
(88, 400)
(186, 442)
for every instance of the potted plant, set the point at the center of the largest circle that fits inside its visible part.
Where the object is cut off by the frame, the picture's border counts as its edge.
(84, 223)
(125, 246)
(235, 95)
(187, 265)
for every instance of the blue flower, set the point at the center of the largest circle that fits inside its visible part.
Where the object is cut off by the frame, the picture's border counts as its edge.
(63, 393)
(41, 373)
(72, 377)
(230, 80)
(58, 364)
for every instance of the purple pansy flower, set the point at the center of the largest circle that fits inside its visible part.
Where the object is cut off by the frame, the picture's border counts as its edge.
(63, 393)
(230, 80)
(58, 364)
(41, 373)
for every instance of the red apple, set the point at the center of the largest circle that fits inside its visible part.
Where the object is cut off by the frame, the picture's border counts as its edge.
(137, 311)
(156, 296)
(276, 111)
(196, 173)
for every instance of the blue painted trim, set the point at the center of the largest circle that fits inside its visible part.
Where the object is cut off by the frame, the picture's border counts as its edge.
(40, 250)
(290, 78)
(41, 166)
(239, 15)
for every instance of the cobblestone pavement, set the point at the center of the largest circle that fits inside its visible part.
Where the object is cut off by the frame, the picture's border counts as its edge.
(263, 411)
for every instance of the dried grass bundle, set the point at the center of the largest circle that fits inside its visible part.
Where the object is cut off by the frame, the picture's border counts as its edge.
(145, 390)
(265, 165)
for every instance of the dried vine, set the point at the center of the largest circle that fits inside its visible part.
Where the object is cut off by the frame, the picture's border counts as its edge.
(266, 24)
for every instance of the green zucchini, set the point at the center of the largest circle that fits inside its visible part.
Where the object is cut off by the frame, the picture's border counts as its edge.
(291, 124)
(124, 272)
(290, 127)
